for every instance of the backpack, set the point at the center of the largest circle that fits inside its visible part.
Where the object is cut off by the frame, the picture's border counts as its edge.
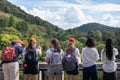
(30, 58)
(8, 54)
(69, 62)
(55, 64)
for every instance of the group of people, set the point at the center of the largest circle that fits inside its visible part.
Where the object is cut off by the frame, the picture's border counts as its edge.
(10, 57)
(71, 57)
(59, 60)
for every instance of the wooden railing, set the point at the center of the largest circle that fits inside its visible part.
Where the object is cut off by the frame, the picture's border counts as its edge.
(43, 69)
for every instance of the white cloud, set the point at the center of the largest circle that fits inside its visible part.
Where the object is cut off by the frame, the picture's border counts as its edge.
(72, 16)
(108, 19)
(104, 8)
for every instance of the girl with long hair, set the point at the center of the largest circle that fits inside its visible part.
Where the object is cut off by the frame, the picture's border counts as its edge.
(54, 57)
(108, 57)
(30, 60)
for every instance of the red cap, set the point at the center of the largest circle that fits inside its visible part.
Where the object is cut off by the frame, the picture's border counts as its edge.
(72, 40)
(21, 42)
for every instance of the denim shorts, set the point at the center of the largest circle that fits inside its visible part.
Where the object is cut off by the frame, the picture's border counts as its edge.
(51, 73)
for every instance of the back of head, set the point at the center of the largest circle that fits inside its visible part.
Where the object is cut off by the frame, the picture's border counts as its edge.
(109, 48)
(32, 43)
(13, 43)
(90, 42)
(56, 44)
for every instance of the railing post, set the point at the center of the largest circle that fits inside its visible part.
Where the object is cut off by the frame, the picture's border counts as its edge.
(43, 76)
(62, 75)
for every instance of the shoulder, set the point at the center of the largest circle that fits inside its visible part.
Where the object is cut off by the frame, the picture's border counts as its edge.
(49, 50)
(115, 50)
(76, 49)
(19, 48)
(94, 49)
(83, 49)
(62, 52)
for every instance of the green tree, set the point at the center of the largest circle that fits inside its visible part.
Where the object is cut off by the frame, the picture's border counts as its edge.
(98, 35)
(5, 39)
(12, 21)
(90, 34)
(22, 26)
(100, 47)
(3, 22)
(107, 34)
(82, 39)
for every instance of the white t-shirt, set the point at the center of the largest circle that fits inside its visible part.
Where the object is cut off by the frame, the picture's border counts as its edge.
(89, 56)
(109, 65)
(77, 53)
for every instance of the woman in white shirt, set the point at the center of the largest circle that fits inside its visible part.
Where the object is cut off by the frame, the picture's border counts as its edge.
(108, 57)
(89, 58)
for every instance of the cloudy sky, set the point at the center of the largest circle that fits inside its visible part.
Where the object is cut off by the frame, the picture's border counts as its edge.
(73, 13)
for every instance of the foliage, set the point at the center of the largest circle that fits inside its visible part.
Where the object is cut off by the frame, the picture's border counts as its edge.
(100, 47)
(97, 35)
(12, 21)
(16, 24)
(7, 7)
(5, 39)
(3, 22)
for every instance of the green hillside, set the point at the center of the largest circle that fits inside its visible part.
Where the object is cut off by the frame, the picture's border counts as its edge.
(95, 26)
(17, 24)
(7, 7)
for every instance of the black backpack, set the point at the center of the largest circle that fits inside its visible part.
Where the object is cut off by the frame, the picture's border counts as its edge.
(30, 58)
(69, 63)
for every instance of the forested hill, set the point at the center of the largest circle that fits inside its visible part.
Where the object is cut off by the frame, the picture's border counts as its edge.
(8, 7)
(95, 26)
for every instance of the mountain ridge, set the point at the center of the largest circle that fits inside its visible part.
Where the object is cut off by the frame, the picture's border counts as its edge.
(95, 26)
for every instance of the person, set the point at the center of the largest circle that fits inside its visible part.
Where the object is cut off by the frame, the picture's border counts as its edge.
(30, 60)
(11, 66)
(73, 53)
(108, 57)
(89, 57)
(54, 57)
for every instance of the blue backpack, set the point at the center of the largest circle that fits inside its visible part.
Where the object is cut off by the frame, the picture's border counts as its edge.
(55, 64)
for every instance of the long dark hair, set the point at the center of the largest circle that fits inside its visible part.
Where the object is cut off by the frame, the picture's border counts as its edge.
(109, 48)
(56, 44)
